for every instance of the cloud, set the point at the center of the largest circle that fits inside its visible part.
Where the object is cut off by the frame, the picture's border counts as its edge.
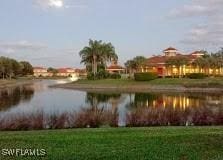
(39, 54)
(189, 10)
(50, 3)
(198, 8)
(208, 14)
(12, 47)
(56, 4)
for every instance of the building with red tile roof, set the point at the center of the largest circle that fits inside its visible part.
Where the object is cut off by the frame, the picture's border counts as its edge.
(41, 72)
(115, 68)
(158, 65)
(66, 72)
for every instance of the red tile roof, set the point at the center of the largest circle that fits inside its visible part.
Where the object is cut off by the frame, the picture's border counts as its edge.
(80, 70)
(161, 60)
(170, 48)
(116, 67)
(197, 53)
(64, 70)
(38, 68)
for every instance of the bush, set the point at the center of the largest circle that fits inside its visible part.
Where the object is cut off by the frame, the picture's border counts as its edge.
(90, 76)
(102, 74)
(145, 76)
(115, 76)
(196, 75)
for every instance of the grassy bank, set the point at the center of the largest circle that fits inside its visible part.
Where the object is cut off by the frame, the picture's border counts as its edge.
(161, 143)
(161, 84)
(14, 82)
(160, 81)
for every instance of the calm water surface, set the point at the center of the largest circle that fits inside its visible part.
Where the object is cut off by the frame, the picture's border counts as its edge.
(132, 108)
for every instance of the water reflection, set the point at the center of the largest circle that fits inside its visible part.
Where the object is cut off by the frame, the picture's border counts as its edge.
(13, 96)
(177, 100)
(174, 109)
(90, 109)
(96, 98)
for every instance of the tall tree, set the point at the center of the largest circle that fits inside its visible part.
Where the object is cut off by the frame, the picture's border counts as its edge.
(130, 66)
(135, 64)
(9, 67)
(139, 61)
(27, 68)
(97, 53)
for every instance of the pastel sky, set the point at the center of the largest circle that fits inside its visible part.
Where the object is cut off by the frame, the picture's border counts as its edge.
(52, 32)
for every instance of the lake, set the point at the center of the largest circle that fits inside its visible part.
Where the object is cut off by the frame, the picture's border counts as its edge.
(118, 109)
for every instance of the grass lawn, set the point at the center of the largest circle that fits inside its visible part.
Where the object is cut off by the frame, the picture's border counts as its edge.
(159, 81)
(164, 143)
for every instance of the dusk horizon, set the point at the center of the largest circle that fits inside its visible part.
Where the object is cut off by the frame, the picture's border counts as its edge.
(50, 33)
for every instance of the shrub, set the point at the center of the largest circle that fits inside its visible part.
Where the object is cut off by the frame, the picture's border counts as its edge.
(102, 74)
(196, 75)
(90, 76)
(115, 76)
(145, 76)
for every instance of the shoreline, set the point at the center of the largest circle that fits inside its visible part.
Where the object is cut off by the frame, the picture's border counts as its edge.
(136, 88)
(5, 84)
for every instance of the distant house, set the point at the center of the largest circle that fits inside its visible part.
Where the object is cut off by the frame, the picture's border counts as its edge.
(158, 64)
(81, 72)
(66, 72)
(41, 72)
(115, 68)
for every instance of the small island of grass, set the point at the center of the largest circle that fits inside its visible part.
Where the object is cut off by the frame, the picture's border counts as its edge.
(161, 84)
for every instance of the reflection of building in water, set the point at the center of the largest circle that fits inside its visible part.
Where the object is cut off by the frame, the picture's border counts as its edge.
(181, 101)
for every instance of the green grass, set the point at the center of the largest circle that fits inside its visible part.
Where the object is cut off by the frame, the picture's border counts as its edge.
(160, 143)
(159, 81)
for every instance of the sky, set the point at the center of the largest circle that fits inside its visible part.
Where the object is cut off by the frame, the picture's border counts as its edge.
(52, 32)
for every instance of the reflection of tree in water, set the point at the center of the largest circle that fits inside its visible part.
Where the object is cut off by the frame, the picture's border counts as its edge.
(95, 98)
(141, 100)
(12, 97)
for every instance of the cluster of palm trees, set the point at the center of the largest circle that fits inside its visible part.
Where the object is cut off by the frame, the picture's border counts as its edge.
(134, 65)
(177, 62)
(213, 61)
(96, 54)
(11, 68)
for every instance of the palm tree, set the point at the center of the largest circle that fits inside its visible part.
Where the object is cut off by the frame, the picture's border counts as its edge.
(178, 62)
(134, 64)
(131, 66)
(97, 53)
(200, 63)
(139, 61)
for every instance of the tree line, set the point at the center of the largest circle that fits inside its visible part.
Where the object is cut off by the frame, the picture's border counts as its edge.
(11, 68)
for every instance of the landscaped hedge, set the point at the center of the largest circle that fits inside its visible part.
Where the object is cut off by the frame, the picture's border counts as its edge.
(145, 76)
(103, 75)
(196, 75)
(115, 76)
